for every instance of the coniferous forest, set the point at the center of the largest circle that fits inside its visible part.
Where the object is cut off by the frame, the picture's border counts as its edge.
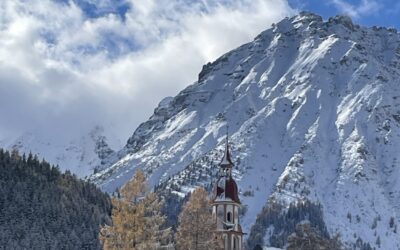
(42, 208)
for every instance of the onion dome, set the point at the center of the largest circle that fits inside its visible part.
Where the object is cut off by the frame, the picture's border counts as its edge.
(226, 190)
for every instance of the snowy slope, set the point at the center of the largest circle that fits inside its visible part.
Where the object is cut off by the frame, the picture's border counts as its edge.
(313, 109)
(80, 154)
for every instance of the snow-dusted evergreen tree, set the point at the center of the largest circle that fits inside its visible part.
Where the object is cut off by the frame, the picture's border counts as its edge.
(137, 218)
(42, 208)
(284, 222)
(307, 237)
(196, 225)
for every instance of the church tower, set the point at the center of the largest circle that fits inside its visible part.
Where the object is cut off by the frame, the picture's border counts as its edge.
(226, 205)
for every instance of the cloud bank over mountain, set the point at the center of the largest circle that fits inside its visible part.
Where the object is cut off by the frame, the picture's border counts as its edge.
(68, 65)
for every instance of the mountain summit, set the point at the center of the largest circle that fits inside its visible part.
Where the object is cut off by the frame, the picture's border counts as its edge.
(313, 108)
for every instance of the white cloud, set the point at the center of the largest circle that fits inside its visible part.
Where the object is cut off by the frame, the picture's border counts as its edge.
(61, 70)
(364, 8)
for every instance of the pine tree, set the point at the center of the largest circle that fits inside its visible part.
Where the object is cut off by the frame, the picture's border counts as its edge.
(42, 208)
(257, 247)
(195, 231)
(137, 218)
(309, 238)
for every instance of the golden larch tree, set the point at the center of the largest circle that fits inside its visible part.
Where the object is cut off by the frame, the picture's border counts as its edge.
(196, 225)
(136, 218)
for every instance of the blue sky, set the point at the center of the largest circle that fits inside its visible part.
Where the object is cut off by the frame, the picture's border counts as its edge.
(363, 12)
(97, 61)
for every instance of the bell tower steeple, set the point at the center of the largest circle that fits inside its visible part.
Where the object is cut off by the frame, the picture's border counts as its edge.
(226, 204)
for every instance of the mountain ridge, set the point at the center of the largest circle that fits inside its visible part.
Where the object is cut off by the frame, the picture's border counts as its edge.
(313, 112)
(82, 154)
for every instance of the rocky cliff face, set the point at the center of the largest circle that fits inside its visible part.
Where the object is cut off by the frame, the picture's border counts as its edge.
(313, 109)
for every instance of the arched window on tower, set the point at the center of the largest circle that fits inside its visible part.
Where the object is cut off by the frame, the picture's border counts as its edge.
(229, 217)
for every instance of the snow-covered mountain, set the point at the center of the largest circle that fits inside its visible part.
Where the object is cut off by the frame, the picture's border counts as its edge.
(82, 154)
(313, 109)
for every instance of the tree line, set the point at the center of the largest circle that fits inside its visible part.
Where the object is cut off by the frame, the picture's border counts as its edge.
(42, 208)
